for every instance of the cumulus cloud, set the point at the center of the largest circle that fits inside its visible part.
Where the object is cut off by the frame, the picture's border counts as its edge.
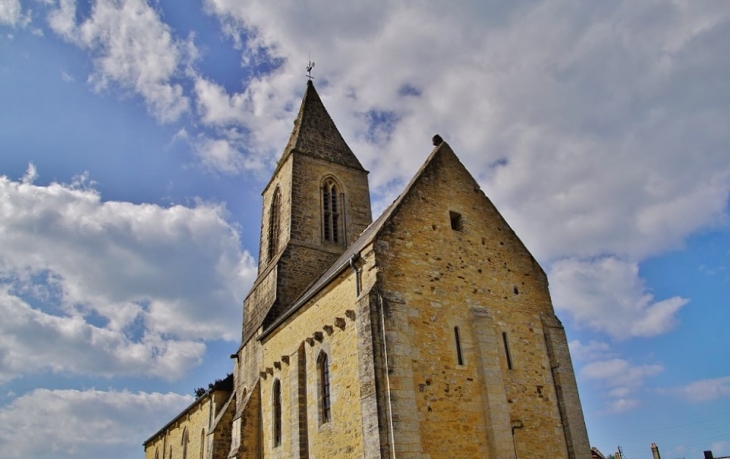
(133, 48)
(139, 282)
(216, 107)
(593, 350)
(557, 93)
(619, 373)
(621, 379)
(32, 341)
(250, 127)
(598, 132)
(607, 295)
(88, 423)
(703, 390)
(10, 12)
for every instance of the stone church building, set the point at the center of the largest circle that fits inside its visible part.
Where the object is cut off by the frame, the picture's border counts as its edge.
(427, 333)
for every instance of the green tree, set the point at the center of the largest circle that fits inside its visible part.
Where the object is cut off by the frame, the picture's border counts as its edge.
(200, 391)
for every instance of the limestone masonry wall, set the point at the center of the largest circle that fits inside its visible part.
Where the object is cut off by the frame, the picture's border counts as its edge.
(190, 436)
(326, 324)
(450, 261)
(282, 180)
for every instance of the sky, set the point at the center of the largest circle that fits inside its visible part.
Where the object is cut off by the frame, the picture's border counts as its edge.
(137, 135)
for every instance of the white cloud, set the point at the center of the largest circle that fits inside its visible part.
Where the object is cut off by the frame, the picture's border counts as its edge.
(594, 350)
(704, 390)
(262, 109)
(90, 423)
(135, 282)
(133, 48)
(219, 155)
(218, 108)
(10, 12)
(68, 78)
(603, 149)
(577, 119)
(619, 372)
(622, 380)
(621, 405)
(32, 341)
(607, 295)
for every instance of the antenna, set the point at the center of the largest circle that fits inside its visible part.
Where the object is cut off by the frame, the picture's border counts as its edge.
(310, 66)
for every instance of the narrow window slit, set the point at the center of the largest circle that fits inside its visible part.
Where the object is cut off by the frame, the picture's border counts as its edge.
(456, 222)
(459, 355)
(274, 218)
(506, 350)
(277, 412)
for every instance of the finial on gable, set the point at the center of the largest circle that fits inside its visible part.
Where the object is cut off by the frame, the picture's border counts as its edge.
(437, 140)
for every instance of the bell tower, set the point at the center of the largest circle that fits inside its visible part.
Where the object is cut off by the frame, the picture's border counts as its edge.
(316, 203)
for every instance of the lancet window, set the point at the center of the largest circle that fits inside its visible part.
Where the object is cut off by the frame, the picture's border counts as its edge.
(325, 406)
(276, 392)
(332, 222)
(274, 218)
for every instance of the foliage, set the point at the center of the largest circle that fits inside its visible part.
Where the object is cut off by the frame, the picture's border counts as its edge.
(200, 391)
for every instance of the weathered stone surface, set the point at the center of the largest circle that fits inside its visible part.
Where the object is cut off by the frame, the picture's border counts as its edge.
(203, 430)
(474, 274)
(436, 321)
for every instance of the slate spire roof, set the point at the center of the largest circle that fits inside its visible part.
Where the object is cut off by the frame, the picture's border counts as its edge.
(315, 134)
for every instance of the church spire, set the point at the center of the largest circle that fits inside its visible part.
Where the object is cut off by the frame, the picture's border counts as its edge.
(315, 134)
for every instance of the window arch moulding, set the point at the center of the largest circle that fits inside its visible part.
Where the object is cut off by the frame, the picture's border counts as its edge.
(274, 234)
(332, 207)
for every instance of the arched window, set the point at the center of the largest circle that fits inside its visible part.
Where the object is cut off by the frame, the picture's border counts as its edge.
(170, 457)
(325, 406)
(274, 217)
(276, 395)
(157, 453)
(202, 443)
(331, 224)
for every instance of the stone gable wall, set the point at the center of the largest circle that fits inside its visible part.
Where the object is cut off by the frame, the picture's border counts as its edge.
(481, 279)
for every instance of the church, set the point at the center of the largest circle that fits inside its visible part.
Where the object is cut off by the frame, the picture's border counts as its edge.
(427, 333)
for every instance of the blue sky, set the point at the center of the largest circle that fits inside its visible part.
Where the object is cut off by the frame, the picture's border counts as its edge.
(136, 137)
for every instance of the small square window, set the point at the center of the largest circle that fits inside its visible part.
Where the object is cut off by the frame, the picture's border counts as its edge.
(457, 223)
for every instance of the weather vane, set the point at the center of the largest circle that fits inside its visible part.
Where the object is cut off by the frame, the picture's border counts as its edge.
(310, 66)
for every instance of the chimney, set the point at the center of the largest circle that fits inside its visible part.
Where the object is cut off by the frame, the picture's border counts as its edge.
(655, 451)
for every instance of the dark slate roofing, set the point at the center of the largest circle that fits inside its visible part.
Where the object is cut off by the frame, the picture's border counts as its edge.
(365, 238)
(315, 133)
